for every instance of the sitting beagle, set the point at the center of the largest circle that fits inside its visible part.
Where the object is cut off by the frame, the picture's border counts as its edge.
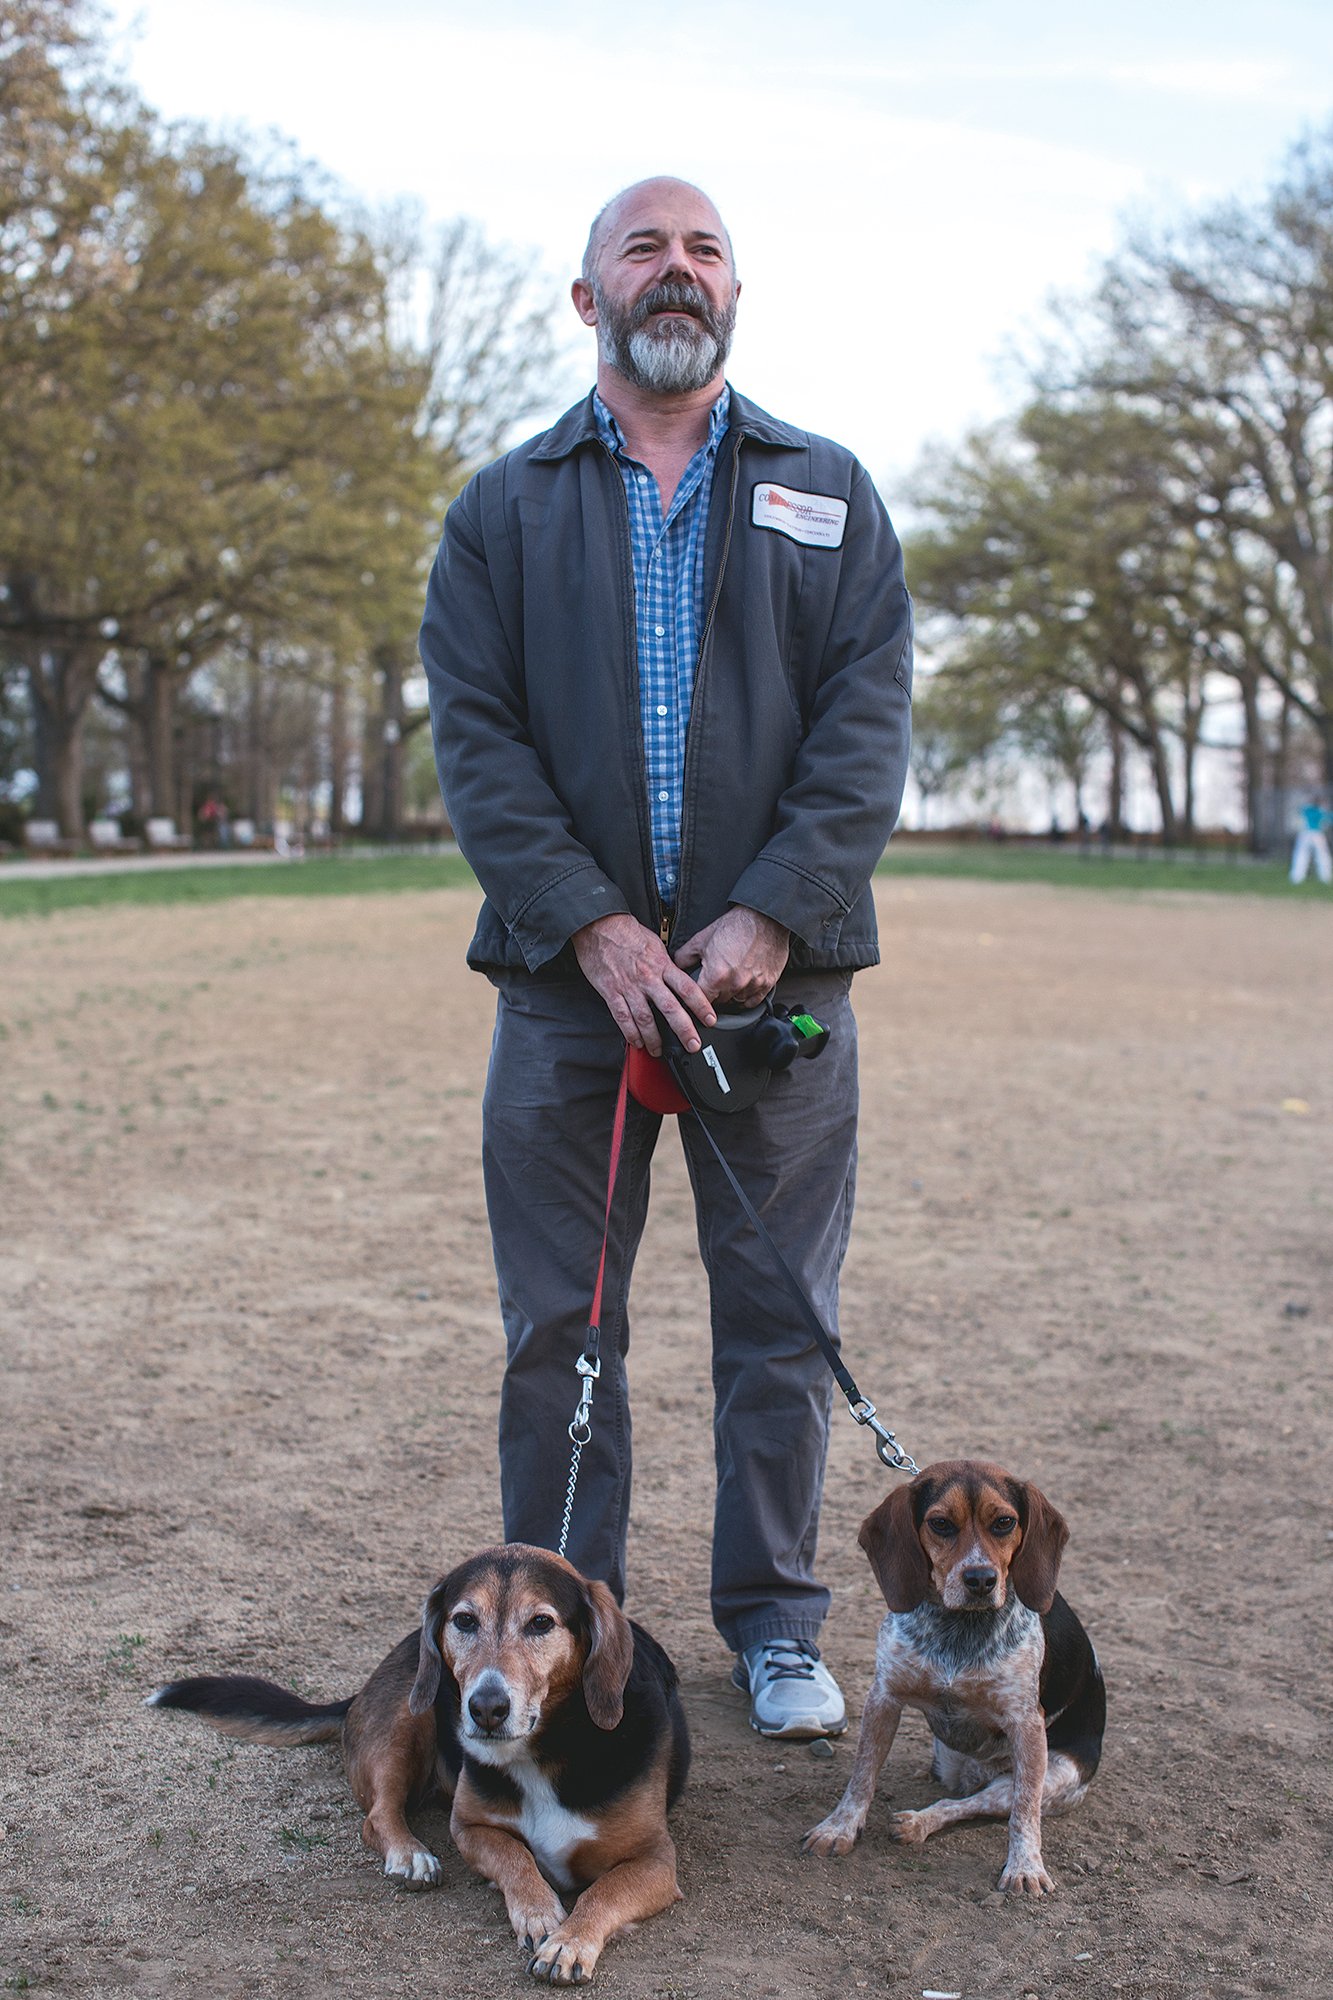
(979, 1639)
(552, 1721)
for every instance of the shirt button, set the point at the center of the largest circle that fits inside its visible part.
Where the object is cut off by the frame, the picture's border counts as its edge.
(661, 708)
(664, 796)
(643, 479)
(660, 631)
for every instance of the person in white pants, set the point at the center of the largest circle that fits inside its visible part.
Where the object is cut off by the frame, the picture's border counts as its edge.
(1312, 844)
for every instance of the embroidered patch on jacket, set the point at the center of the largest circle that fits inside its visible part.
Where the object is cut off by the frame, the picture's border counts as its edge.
(817, 519)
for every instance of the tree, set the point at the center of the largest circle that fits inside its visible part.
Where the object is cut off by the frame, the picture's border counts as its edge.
(489, 365)
(954, 727)
(1221, 333)
(222, 436)
(1052, 566)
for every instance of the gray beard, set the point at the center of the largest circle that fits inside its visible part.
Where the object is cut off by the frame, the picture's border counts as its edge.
(680, 359)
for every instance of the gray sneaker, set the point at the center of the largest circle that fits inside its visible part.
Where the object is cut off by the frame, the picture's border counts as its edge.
(792, 1692)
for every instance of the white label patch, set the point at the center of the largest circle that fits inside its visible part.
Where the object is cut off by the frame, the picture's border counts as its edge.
(817, 519)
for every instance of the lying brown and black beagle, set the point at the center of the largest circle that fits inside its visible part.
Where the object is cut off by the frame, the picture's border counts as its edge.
(552, 1721)
(979, 1639)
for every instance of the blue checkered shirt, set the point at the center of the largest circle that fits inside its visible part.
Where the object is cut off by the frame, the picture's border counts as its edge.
(668, 557)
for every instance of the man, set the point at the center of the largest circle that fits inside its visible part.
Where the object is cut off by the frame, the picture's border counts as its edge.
(669, 653)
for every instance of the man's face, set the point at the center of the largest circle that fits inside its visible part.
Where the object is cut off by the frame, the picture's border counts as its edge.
(662, 292)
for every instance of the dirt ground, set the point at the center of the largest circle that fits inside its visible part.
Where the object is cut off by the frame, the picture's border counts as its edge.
(250, 1372)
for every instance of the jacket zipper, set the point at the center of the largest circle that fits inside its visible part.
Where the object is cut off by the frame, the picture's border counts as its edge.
(632, 654)
(699, 664)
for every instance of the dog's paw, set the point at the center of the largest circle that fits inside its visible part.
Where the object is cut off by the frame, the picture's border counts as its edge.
(532, 1927)
(412, 1867)
(1024, 1875)
(832, 1836)
(565, 1959)
(908, 1828)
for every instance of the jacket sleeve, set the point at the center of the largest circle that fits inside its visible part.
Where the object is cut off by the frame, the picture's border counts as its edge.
(509, 820)
(834, 819)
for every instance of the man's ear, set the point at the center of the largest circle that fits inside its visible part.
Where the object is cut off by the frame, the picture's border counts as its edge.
(1035, 1570)
(889, 1537)
(581, 293)
(430, 1663)
(610, 1657)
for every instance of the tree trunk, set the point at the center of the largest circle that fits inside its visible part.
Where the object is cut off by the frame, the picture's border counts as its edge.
(1161, 771)
(389, 665)
(61, 680)
(1253, 760)
(337, 752)
(159, 711)
(1115, 797)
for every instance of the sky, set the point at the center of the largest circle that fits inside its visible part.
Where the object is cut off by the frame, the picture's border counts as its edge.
(905, 186)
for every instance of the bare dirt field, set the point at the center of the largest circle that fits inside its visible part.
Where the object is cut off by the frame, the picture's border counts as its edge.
(250, 1370)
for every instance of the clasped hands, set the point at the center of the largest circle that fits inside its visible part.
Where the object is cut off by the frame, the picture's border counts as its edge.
(738, 959)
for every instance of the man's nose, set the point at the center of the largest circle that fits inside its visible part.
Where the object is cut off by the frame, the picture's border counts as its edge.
(677, 263)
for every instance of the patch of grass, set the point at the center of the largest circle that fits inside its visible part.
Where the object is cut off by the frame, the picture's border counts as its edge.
(352, 875)
(297, 1840)
(338, 875)
(1071, 868)
(123, 1656)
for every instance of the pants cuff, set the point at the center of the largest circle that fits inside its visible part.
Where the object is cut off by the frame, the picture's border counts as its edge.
(774, 1625)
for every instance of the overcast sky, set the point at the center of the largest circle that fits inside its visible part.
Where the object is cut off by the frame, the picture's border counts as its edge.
(905, 185)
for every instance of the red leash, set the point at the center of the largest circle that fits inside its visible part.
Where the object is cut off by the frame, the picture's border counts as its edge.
(589, 1363)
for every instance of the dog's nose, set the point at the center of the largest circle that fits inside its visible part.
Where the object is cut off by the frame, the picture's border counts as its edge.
(981, 1579)
(488, 1706)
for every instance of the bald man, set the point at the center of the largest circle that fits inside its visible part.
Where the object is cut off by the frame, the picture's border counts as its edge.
(669, 652)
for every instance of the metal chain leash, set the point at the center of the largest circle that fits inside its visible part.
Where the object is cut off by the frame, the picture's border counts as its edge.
(580, 1433)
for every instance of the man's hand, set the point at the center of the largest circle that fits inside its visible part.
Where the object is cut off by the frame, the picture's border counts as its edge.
(630, 966)
(740, 957)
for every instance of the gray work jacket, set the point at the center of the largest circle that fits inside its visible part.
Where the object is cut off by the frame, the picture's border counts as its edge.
(796, 751)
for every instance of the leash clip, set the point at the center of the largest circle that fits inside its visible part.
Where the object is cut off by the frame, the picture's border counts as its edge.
(589, 1369)
(889, 1451)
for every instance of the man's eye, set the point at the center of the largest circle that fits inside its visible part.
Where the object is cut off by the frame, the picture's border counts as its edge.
(465, 1621)
(540, 1625)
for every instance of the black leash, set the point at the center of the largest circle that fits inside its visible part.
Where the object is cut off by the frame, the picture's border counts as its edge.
(887, 1446)
(589, 1365)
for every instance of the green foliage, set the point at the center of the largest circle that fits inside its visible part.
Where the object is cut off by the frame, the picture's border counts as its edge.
(219, 449)
(1160, 514)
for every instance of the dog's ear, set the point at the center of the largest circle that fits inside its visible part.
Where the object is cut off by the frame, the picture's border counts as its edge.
(610, 1657)
(430, 1662)
(1035, 1570)
(890, 1539)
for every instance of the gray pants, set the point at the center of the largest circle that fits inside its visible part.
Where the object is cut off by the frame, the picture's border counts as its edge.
(550, 1098)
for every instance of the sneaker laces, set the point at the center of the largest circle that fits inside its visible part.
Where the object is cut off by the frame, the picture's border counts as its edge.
(787, 1660)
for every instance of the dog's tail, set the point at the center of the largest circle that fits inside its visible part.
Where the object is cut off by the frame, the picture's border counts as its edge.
(259, 1712)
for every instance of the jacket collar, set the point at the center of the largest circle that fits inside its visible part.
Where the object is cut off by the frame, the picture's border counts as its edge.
(579, 426)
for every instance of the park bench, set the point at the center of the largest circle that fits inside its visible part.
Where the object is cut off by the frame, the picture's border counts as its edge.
(43, 837)
(163, 838)
(105, 837)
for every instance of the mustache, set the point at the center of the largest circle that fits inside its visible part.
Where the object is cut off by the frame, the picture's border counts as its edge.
(672, 298)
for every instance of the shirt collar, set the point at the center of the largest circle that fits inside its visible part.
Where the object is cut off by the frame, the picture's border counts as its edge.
(611, 434)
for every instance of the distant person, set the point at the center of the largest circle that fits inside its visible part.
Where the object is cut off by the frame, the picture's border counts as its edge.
(1312, 844)
(669, 652)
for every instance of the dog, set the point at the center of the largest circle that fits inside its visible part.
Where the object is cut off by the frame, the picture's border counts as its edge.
(552, 1722)
(980, 1640)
